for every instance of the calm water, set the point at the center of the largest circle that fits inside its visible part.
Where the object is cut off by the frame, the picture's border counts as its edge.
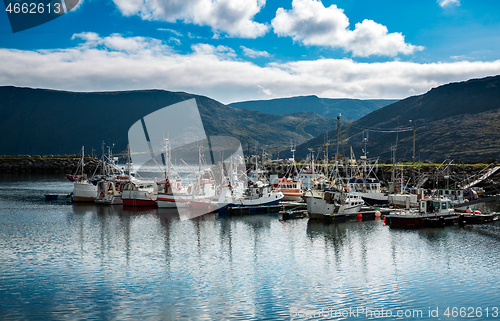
(67, 262)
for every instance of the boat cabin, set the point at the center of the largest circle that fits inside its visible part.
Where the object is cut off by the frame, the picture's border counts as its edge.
(359, 184)
(438, 206)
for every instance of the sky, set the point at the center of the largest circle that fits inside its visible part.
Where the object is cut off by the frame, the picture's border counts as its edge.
(237, 50)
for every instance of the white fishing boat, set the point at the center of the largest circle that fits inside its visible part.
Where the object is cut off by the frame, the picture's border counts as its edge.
(140, 193)
(173, 195)
(333, 203)
(84, 190)
(257, 194)
(369, 189)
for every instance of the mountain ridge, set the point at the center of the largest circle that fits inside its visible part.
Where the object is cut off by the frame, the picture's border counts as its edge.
(328, 107)
(47, 121)
(456, 120)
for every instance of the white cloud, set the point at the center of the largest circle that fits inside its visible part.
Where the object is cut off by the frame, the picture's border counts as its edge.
(310, 23)
(123, 63)
(177, 33)
(233, 17)
(254, 53)
(445, 3)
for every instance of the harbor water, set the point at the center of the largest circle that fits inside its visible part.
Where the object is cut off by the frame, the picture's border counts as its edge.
(62, 261)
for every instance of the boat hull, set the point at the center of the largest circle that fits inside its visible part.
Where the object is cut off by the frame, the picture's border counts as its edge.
(139, 203)
(406, 222)
(293, 197)
(110, 200)
(372, 201)
(84, 192)
(138, 199)
(173, 201)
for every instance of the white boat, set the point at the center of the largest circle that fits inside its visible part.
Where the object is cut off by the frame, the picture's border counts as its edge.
(369, 189)
(83, 189)
(257, 194)
(109, 192)
(459, 197)
(140, 193)
(333, 203)
(174, 195)
(409, 199)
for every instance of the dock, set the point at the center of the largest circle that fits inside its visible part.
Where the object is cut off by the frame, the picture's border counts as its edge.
(267, 209)
(366, 213)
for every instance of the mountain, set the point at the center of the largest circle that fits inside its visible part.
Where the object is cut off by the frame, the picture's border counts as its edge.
(41, 121)
(454, 121)
(349, 108)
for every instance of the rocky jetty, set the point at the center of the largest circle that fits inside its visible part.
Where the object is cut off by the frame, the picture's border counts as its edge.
(66, 164)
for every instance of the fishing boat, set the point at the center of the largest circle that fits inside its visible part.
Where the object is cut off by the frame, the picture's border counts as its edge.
(291, 189)
(174, 195)
(257, 194)
(140, 193)
(369, 189)
(333, 203)
(476, 217)
(109, 192)
(84, 190)
(290, 185)
(109, 187)
(433, 212)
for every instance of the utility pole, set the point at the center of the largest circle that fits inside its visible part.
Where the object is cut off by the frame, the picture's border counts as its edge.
(414, 130)
(338, 137)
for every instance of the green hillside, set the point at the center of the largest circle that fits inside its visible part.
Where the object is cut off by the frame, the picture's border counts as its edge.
(457, 120)
(40, 121)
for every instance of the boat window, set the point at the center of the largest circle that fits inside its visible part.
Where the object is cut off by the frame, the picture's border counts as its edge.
(423, 205)
(443, 205)
(436, 205)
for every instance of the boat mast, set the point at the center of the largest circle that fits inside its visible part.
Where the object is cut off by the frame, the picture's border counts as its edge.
(128, 162)
(103, 169)
(83, 159)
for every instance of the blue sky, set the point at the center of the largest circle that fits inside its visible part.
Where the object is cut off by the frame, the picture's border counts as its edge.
(234, 50)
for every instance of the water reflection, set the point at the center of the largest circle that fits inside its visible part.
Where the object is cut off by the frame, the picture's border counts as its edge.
(109, 262)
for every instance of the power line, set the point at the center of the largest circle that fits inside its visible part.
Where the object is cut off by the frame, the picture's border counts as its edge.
(384, 130)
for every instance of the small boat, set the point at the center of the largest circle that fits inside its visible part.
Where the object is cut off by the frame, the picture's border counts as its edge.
(432, 212)
(51, 197)
(84, 190)
(334, 203)
(257, 194)
(109, 192)
(292, 190)
(369, 189)
(140, 193)
(476, 217)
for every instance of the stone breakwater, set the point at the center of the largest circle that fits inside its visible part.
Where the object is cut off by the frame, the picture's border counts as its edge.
(65, 164)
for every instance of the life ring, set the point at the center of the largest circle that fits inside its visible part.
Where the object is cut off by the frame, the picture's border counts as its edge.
(179, 187)
(189, 190)
(346, 188)
(197, 188)
(101, 194)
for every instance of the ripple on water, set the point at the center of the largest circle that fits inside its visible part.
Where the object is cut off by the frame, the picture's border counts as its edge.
(81, 262)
